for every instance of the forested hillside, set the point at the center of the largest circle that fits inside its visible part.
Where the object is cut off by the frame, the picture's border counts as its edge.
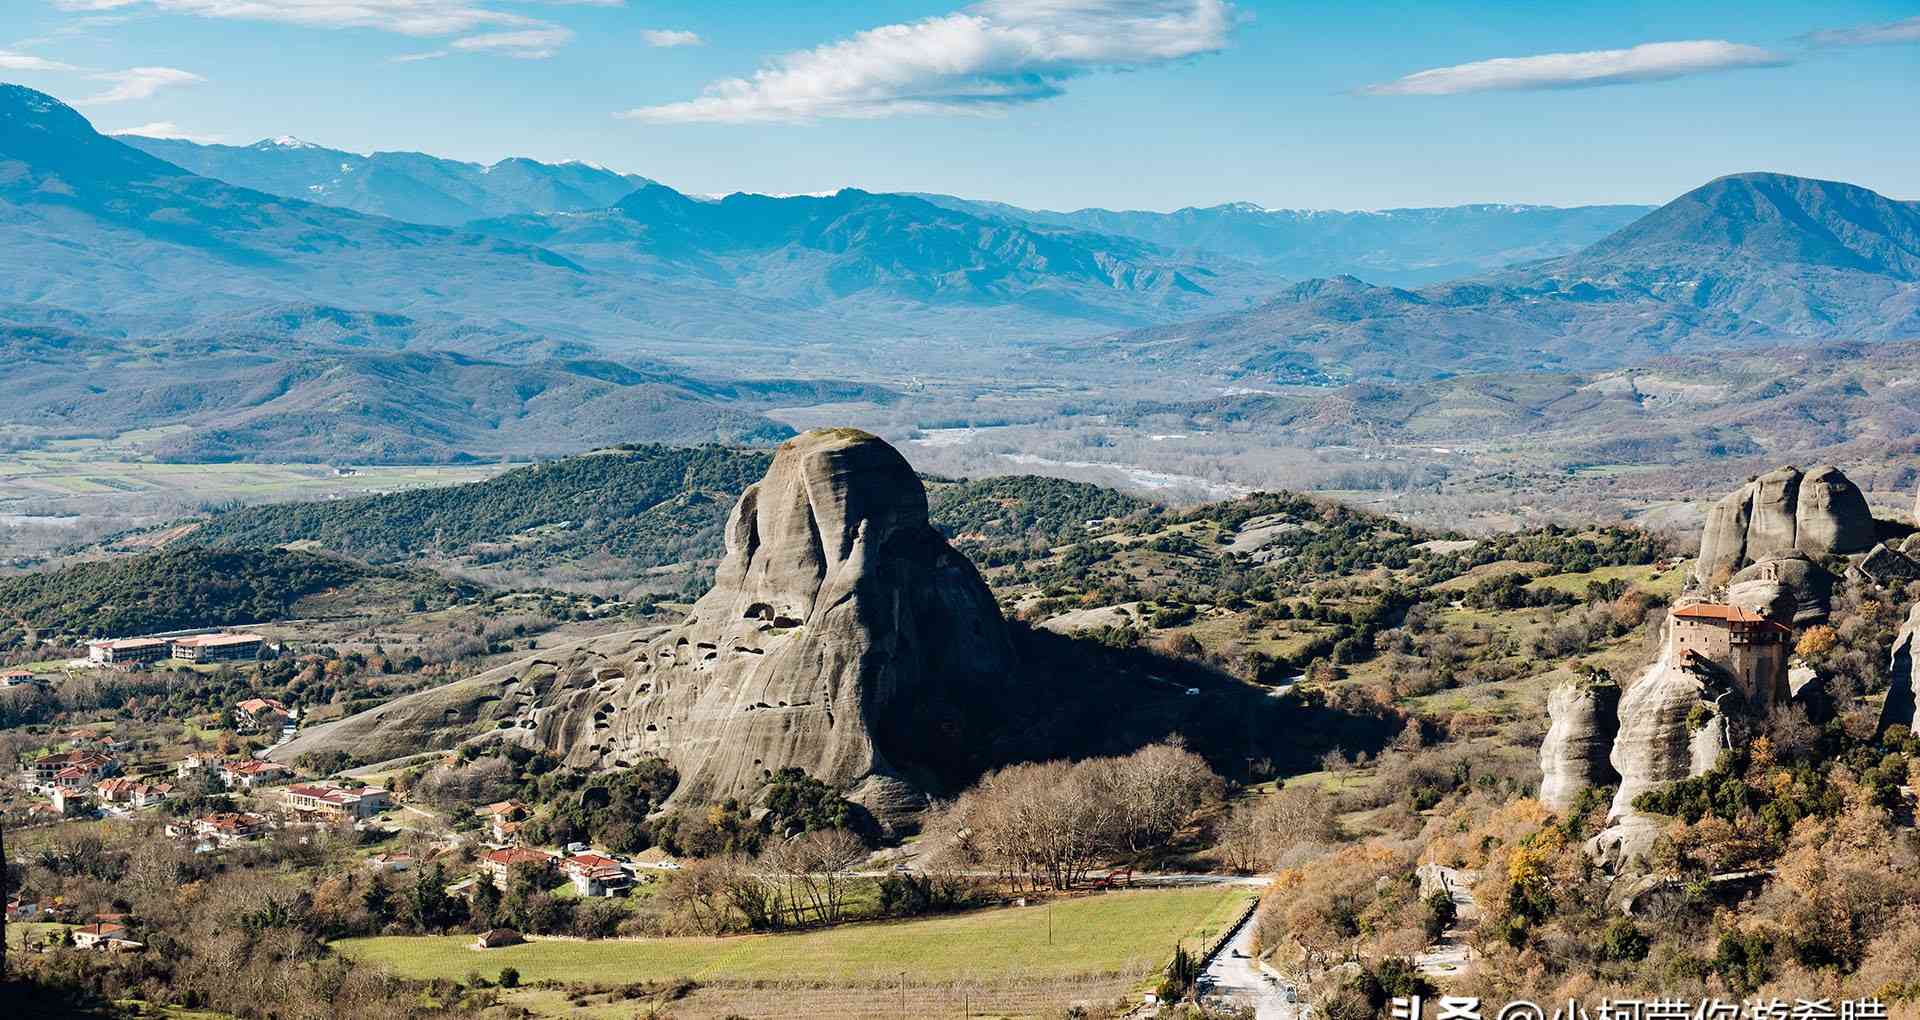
(170, 589)
(1017, 507)
(647, 505)
(651, 504)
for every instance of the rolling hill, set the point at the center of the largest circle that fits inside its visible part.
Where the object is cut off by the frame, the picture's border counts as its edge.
(186, 587)
(324, 385)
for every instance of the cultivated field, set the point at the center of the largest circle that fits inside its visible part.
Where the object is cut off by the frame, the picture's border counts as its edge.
(1120, 934)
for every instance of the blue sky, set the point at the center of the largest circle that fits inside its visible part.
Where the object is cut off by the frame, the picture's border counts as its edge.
(1050, 103)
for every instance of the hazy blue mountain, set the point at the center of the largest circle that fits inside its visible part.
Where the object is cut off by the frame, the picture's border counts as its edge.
(1809, 258)
(1752, 258)
(96, 224)
(873, 248)
(408, 186)
(1392, 246)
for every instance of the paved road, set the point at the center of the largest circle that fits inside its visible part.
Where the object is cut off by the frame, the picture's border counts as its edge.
(1233, 978)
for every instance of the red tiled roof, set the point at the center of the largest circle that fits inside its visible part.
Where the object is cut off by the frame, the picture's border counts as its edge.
(218, 640)
(517, 855)
(1716, 611)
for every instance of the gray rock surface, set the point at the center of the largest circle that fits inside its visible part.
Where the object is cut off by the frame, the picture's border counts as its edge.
(1832, 515)
(1780, 513)
(1574, 756)
(1656, 745)
(1723, 546)
(842, 635)
(1776, 501)
(1886, 566)
(1902, 707)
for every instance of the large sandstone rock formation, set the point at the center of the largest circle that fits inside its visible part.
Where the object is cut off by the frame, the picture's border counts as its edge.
(842, 635)
(1673, 725)
(1574, 756)
(1902, 707)
(1781, 512)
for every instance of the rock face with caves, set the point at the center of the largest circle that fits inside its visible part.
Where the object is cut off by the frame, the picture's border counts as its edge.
(843, 636)
(1782, 512)
(1573, 758)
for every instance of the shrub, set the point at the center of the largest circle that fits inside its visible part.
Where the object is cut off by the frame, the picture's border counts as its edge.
(509, 977)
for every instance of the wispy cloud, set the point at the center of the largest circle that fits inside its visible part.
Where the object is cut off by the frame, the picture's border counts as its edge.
(526, 44)
(139, 83)
(12, 61)
(663, 37)
(1647, 62)
(168, 129)
(1906, 30)
(414, 58)
(420, 19)
(984, 59)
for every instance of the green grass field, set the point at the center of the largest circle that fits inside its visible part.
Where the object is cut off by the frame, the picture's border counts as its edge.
(1121, 932)
(1645, 578)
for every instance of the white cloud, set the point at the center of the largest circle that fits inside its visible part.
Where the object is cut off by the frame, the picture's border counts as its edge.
(527, 44)
(419, 19)
(1906, 30)
(139, 83)
(663, 37)
(983, 59)
(1647, 62)
(11, 61)
(414, 58)
(167, 129)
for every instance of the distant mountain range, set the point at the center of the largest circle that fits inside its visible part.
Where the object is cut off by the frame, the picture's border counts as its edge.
(97, 224)
(565, 305)
(1404, 247)
(317, 384)
(1393, 246)
(1750, 259)
(409, 186)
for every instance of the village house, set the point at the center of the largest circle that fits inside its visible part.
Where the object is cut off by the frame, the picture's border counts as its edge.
(19, 909)
(221, 828)
(396, 861)
(127, 653)
(72, 770)
(218, 648)
(256, 715)
(14, 678)
(1748, 647)
(499, 864)
(503, 820)
(250, 773)
(333, 803)
(132, 793)
(103, 935)
(595, 874)
(498, 938)
(197, 761)
(68, 803)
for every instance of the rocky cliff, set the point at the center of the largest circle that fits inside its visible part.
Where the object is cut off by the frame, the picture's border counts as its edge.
(1782, 512)
(1662, 738)
(1574, 756)
(1902, 707)
(842, 635)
